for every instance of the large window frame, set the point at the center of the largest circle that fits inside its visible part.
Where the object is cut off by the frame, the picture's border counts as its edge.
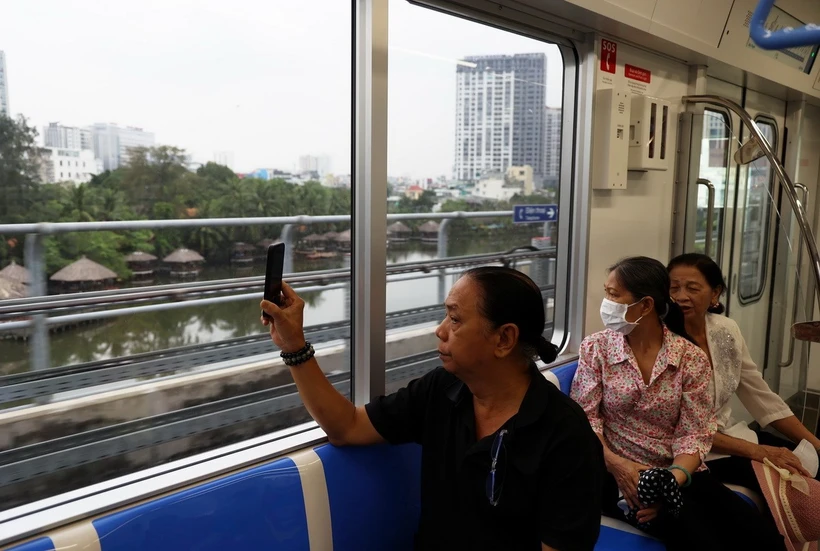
(765, 220)
(369, 276)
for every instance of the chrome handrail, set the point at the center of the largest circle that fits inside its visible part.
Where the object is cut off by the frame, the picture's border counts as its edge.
(796, 296)
(710, 214)
(786, 182)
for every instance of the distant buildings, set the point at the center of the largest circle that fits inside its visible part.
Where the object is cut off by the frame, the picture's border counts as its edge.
(112, 143)
(500, 114)
(66, 137)
(224, 158)
(311, 163)
(4, 86)
(518, 180)
(68, 165)
(552, 146)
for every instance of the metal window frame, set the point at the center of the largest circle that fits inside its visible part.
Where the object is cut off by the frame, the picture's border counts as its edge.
(767, 219)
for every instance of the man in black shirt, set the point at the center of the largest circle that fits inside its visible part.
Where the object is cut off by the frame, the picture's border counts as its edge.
(508, 461)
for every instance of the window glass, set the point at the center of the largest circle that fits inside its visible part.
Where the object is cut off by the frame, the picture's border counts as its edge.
(714, 167)
(187, 111)
(756, 214)
(474, 126)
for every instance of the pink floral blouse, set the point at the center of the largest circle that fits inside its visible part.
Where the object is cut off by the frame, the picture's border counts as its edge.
(650, 423)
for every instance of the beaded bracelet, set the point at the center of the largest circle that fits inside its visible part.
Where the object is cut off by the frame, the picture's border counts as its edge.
(300, 356)
(684, 471)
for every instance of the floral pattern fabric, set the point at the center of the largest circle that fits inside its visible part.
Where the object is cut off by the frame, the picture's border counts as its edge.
(649, 423)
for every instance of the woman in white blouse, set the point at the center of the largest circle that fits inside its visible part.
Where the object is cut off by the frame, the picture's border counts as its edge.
(697, 284)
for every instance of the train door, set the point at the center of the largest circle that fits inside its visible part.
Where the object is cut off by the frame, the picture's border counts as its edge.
(728, 209)
(754, 229)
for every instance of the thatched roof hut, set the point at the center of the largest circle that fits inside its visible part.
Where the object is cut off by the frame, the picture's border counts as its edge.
(398, 232)
(265, 243)
(83, 270)
(15, 272)
(183, 256)
(343, 237)
(11, 289)
(429, 227)
(313, 238)
(139, 256)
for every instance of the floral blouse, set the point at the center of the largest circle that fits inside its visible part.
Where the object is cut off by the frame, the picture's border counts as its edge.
(651, 423)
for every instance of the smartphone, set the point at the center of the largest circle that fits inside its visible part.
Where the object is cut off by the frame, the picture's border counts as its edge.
(273, 275)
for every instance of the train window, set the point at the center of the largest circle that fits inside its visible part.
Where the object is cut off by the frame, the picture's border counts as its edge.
(714, 166)
(223, 110)
(437, 165)
(756, 215)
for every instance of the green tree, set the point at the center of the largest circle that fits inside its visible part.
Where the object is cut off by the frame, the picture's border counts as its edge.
(20, 160)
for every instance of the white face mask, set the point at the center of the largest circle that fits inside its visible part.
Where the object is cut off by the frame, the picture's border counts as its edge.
(613, 314)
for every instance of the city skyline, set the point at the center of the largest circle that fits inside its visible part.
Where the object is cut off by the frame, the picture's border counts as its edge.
(208, 93)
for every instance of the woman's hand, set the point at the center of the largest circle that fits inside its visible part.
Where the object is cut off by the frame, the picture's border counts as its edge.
(286, 330)
(626, 475)
(649, 513)
(780, 457)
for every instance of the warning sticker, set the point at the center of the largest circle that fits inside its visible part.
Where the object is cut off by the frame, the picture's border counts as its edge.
(636, 73)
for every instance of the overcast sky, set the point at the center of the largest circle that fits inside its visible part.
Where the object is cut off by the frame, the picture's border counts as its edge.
(268, 80)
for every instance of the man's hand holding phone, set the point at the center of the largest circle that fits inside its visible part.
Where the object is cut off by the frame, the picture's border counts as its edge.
(286, 320)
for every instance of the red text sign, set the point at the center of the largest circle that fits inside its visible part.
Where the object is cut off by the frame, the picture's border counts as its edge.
(636, 73)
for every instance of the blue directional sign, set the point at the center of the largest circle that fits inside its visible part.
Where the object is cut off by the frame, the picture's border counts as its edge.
(527, 214)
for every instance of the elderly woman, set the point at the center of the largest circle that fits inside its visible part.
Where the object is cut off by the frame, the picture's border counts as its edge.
(697, 284)
(508, 461)
(645, 389)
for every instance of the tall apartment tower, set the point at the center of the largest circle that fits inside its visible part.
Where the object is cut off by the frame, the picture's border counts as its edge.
(500, 114)
(66, 137)
(4, 86)
(552, 145)
(111, 143)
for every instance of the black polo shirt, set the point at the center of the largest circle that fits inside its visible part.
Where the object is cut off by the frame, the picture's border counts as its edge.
(551, 467)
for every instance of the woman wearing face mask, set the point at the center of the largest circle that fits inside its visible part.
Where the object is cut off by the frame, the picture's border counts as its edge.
(645, 389)
(697, 283)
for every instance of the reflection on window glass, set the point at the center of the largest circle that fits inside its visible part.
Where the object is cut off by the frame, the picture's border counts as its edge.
(177, 110)
(474, 126)
(714, 166)
(756, 214)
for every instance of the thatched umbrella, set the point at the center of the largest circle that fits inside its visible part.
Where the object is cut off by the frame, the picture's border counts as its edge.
(139, 256)
(398, 227)
(15, 272)
(265, 243)
(343, 237)
(313, 238)
(83, 269)
(183, 256)
(429, 227)
(11, 289)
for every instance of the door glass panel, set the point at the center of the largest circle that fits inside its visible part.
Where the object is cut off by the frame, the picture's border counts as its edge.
(756, 214)
(714, 167)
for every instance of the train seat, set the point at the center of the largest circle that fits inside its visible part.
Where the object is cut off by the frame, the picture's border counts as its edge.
(320, 498)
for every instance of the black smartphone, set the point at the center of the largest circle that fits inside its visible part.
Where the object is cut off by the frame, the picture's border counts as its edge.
(273, 275)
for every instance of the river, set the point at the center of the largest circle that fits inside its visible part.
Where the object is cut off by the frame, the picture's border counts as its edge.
(148, 332)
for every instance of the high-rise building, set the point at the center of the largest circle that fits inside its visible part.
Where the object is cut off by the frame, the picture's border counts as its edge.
(552, 146)
(4, 86)
(224, 158)
(68, 165)
(111, 143)
(500, 115)
(66, 137)
(314, 163)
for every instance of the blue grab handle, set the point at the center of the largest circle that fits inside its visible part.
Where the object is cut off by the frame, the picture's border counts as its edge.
(785, 38)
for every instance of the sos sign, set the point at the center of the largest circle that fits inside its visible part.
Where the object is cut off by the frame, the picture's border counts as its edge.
(608, 56)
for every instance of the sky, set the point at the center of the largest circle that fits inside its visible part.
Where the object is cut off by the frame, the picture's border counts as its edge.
(267, 80)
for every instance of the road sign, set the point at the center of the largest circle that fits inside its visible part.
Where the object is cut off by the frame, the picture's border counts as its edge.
(526, 214)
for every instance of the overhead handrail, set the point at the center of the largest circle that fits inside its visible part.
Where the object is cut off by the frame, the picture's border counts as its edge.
(710, 213)
(786, 37)
(809, 330)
